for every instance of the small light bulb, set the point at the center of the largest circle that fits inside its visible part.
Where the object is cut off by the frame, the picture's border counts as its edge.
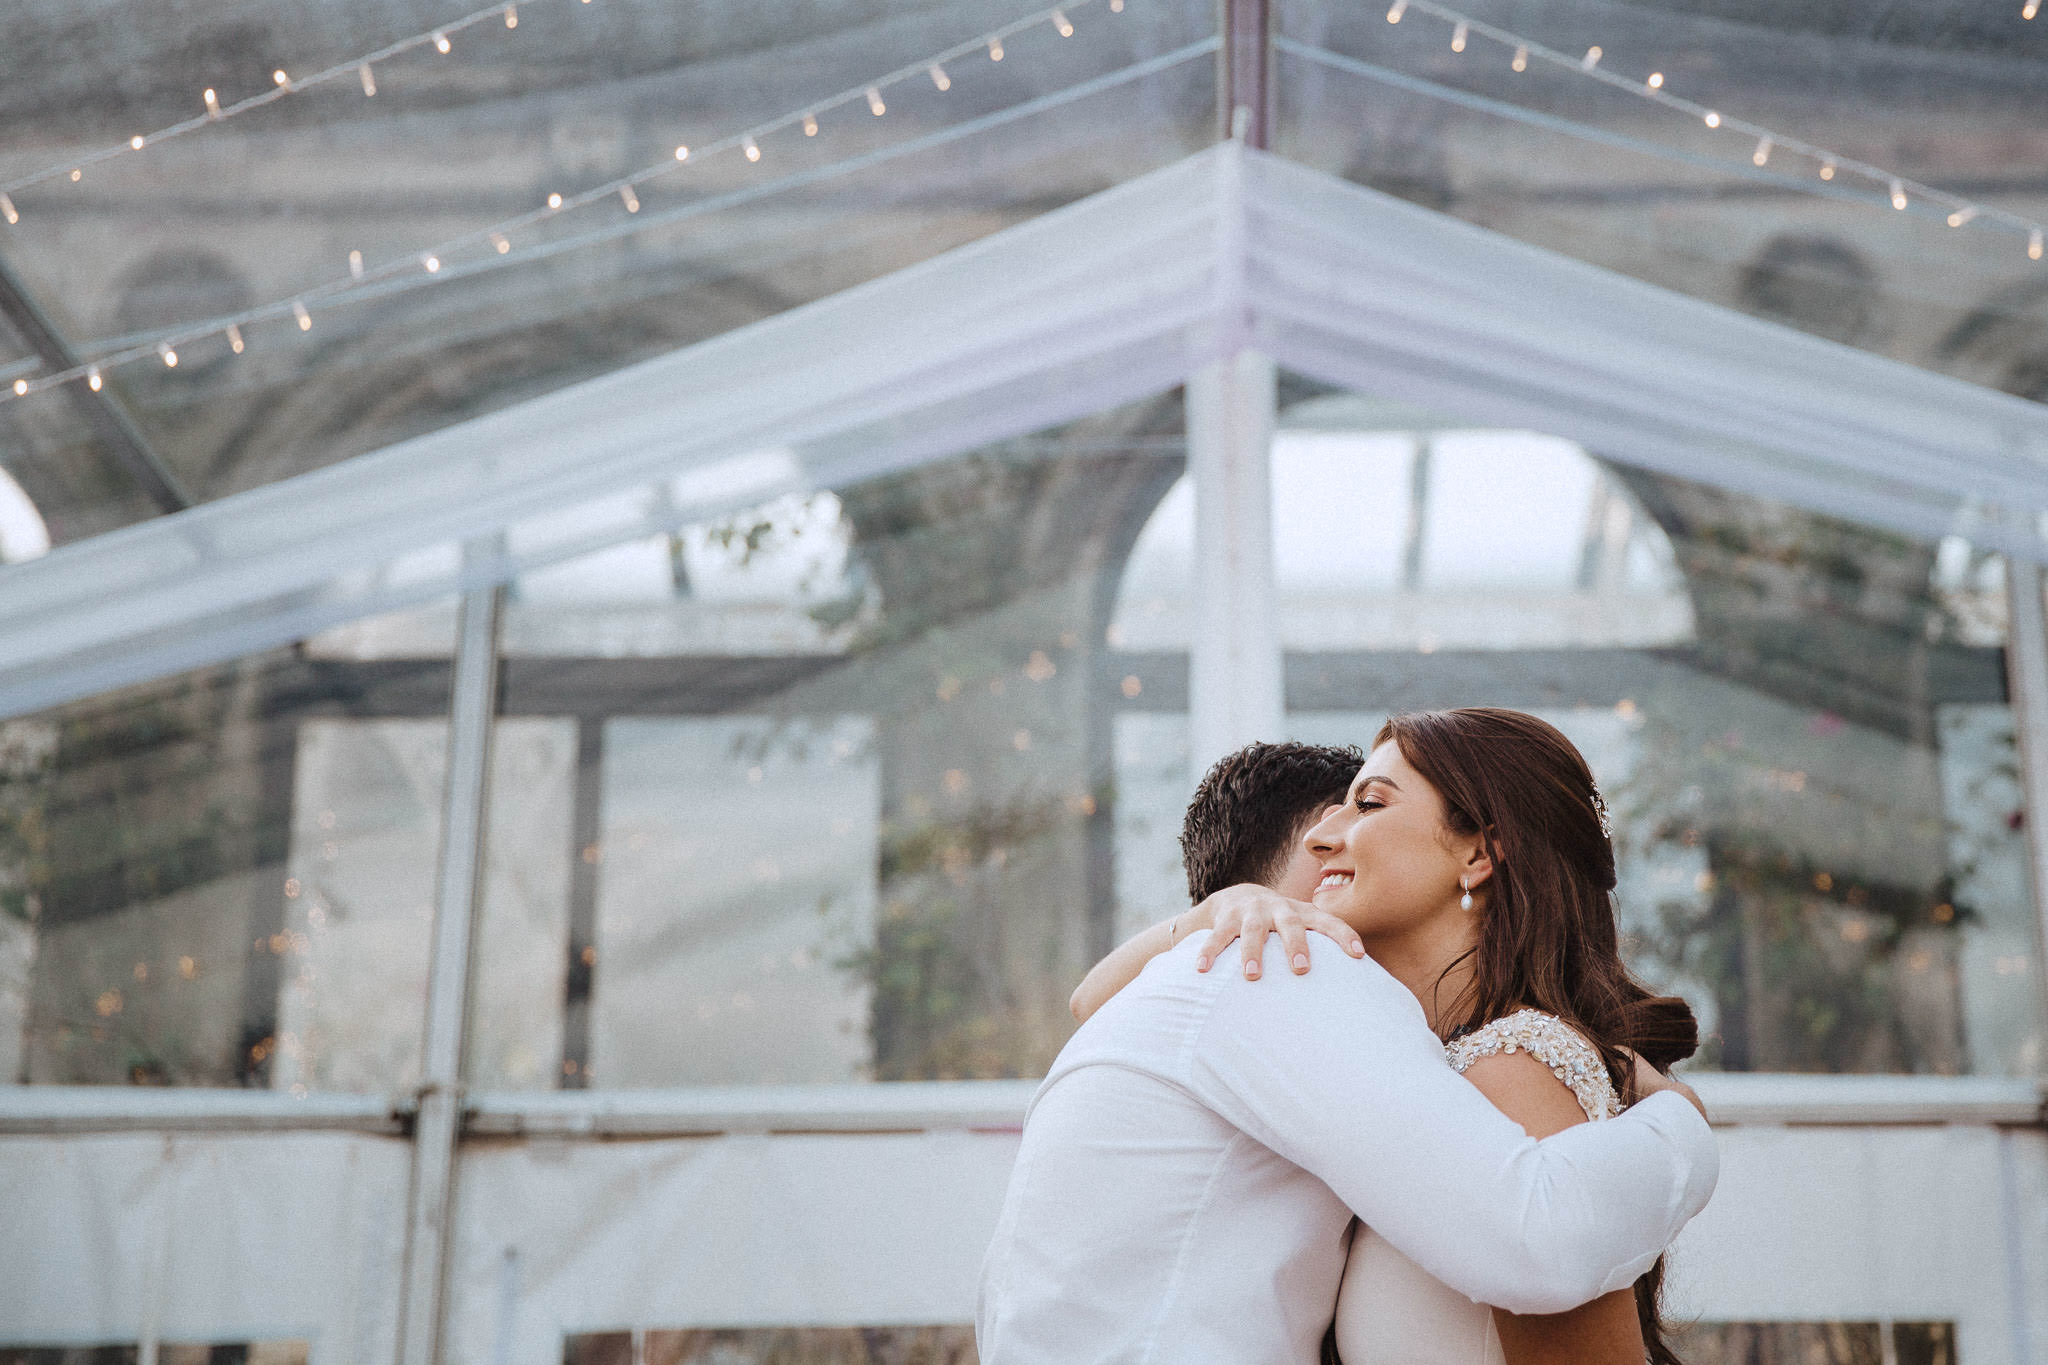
(753, 150)
(1762, 152)
(1898, 194)
(810, 125)
(234, 338)
(995, 49)
(939, 77)
(135, 143)
(1827, 168)
(682, 153)
(511, 16)
(212, 103)
(77, 174)
(441, 42)
(431, 262)
(1063, 24)
(1396, 10)
(1713, 119)
(1962, 215)
(355, 265)
(1591, 59)
(1521, 61)
(1458, 36)
(92, 380)
(279, 76)
(305, 318)
(2034, 245)
(20, 387)
(1656, 81)
(500, 241)
(369, 79)
(8, 212)
(875, 105)
(1116, 6)
(2030, 9)
(170, 357)
(554, 201)
(629, 199)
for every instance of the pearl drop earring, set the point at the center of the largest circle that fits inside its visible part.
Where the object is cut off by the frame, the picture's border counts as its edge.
(1464, 901)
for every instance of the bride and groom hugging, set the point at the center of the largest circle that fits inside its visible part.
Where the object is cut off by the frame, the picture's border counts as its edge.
(1408, 1146)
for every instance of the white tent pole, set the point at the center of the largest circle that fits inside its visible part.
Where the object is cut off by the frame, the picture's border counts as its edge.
(2026, 672)
(431, 1200)
(1234, 692)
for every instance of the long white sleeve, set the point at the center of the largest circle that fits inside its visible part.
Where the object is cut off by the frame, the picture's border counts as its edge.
(1337, 1072)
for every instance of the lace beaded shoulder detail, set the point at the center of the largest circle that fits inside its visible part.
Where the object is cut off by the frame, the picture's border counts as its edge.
(1550, 1041)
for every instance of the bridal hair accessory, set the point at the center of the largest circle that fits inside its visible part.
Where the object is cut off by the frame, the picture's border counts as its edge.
(1600, 811)
(1464, 901)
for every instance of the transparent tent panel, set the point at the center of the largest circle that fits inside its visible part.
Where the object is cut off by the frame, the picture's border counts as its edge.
(1807, 745)
(225, 877)
(903, 844)
(1550, 155)
(569, 101)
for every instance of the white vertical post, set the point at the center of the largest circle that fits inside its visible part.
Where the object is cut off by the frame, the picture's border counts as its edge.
(1234, 685)
(439, 1119)
(2026, 673)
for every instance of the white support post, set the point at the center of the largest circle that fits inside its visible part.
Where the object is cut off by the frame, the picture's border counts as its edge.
(2026, 673)
(439, 1115)
(1234, 685)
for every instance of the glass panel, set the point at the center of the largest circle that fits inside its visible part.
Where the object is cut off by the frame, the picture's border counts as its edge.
(1546, 152)
(225, 877)
(1800, 724)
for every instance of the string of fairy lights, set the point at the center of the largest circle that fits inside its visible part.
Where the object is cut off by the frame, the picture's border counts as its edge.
(499, 235)
(1769, 143)
(1901, 191)
(363, 68)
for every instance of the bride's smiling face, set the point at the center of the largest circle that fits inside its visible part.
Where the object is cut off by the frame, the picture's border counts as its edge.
(1391, 861)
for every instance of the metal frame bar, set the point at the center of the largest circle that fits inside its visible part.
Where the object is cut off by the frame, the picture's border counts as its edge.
(1734, 1099)
(1234, 666)
(438, 1123)
(102, 412)
(2026, 668)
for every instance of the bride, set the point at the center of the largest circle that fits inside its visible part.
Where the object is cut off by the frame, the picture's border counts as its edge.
(1471, 859)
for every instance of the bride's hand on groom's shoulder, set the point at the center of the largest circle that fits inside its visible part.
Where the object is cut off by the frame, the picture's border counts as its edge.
(1248, 912)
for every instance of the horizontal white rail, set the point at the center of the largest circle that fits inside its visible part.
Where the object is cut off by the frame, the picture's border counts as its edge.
(918, 1106)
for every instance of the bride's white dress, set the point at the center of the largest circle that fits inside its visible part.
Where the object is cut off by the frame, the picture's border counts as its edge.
(1391, 1311)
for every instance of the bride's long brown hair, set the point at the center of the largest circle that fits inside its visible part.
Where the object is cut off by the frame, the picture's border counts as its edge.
(1547, 936)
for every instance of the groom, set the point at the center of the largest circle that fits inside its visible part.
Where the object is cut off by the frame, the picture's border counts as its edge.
(1192, 1162)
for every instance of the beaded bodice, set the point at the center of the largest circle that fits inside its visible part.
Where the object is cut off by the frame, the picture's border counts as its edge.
(1550, 1041)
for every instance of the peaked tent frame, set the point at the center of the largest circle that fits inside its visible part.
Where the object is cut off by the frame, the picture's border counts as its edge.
(1114, 298)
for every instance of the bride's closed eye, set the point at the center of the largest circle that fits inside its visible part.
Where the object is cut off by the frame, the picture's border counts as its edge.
(1367, 803)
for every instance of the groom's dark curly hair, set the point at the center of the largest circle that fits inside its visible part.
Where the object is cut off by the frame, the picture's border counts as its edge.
(1253, 805)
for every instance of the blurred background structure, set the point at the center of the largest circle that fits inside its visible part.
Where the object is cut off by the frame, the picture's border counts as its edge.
(573, 712)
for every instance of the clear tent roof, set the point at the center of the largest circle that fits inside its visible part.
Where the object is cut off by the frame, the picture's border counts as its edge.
(254, 213)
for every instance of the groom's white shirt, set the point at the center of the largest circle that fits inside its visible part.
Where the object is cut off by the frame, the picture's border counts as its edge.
(1192, 1162)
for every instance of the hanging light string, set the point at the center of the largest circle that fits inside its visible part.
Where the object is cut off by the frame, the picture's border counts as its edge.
(695, 208)
(498, 235)
(362, 69)
(1902, 191)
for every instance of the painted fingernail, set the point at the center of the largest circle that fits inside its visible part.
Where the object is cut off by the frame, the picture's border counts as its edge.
(1301, 962)
(1251, 969)
(1201, 964)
